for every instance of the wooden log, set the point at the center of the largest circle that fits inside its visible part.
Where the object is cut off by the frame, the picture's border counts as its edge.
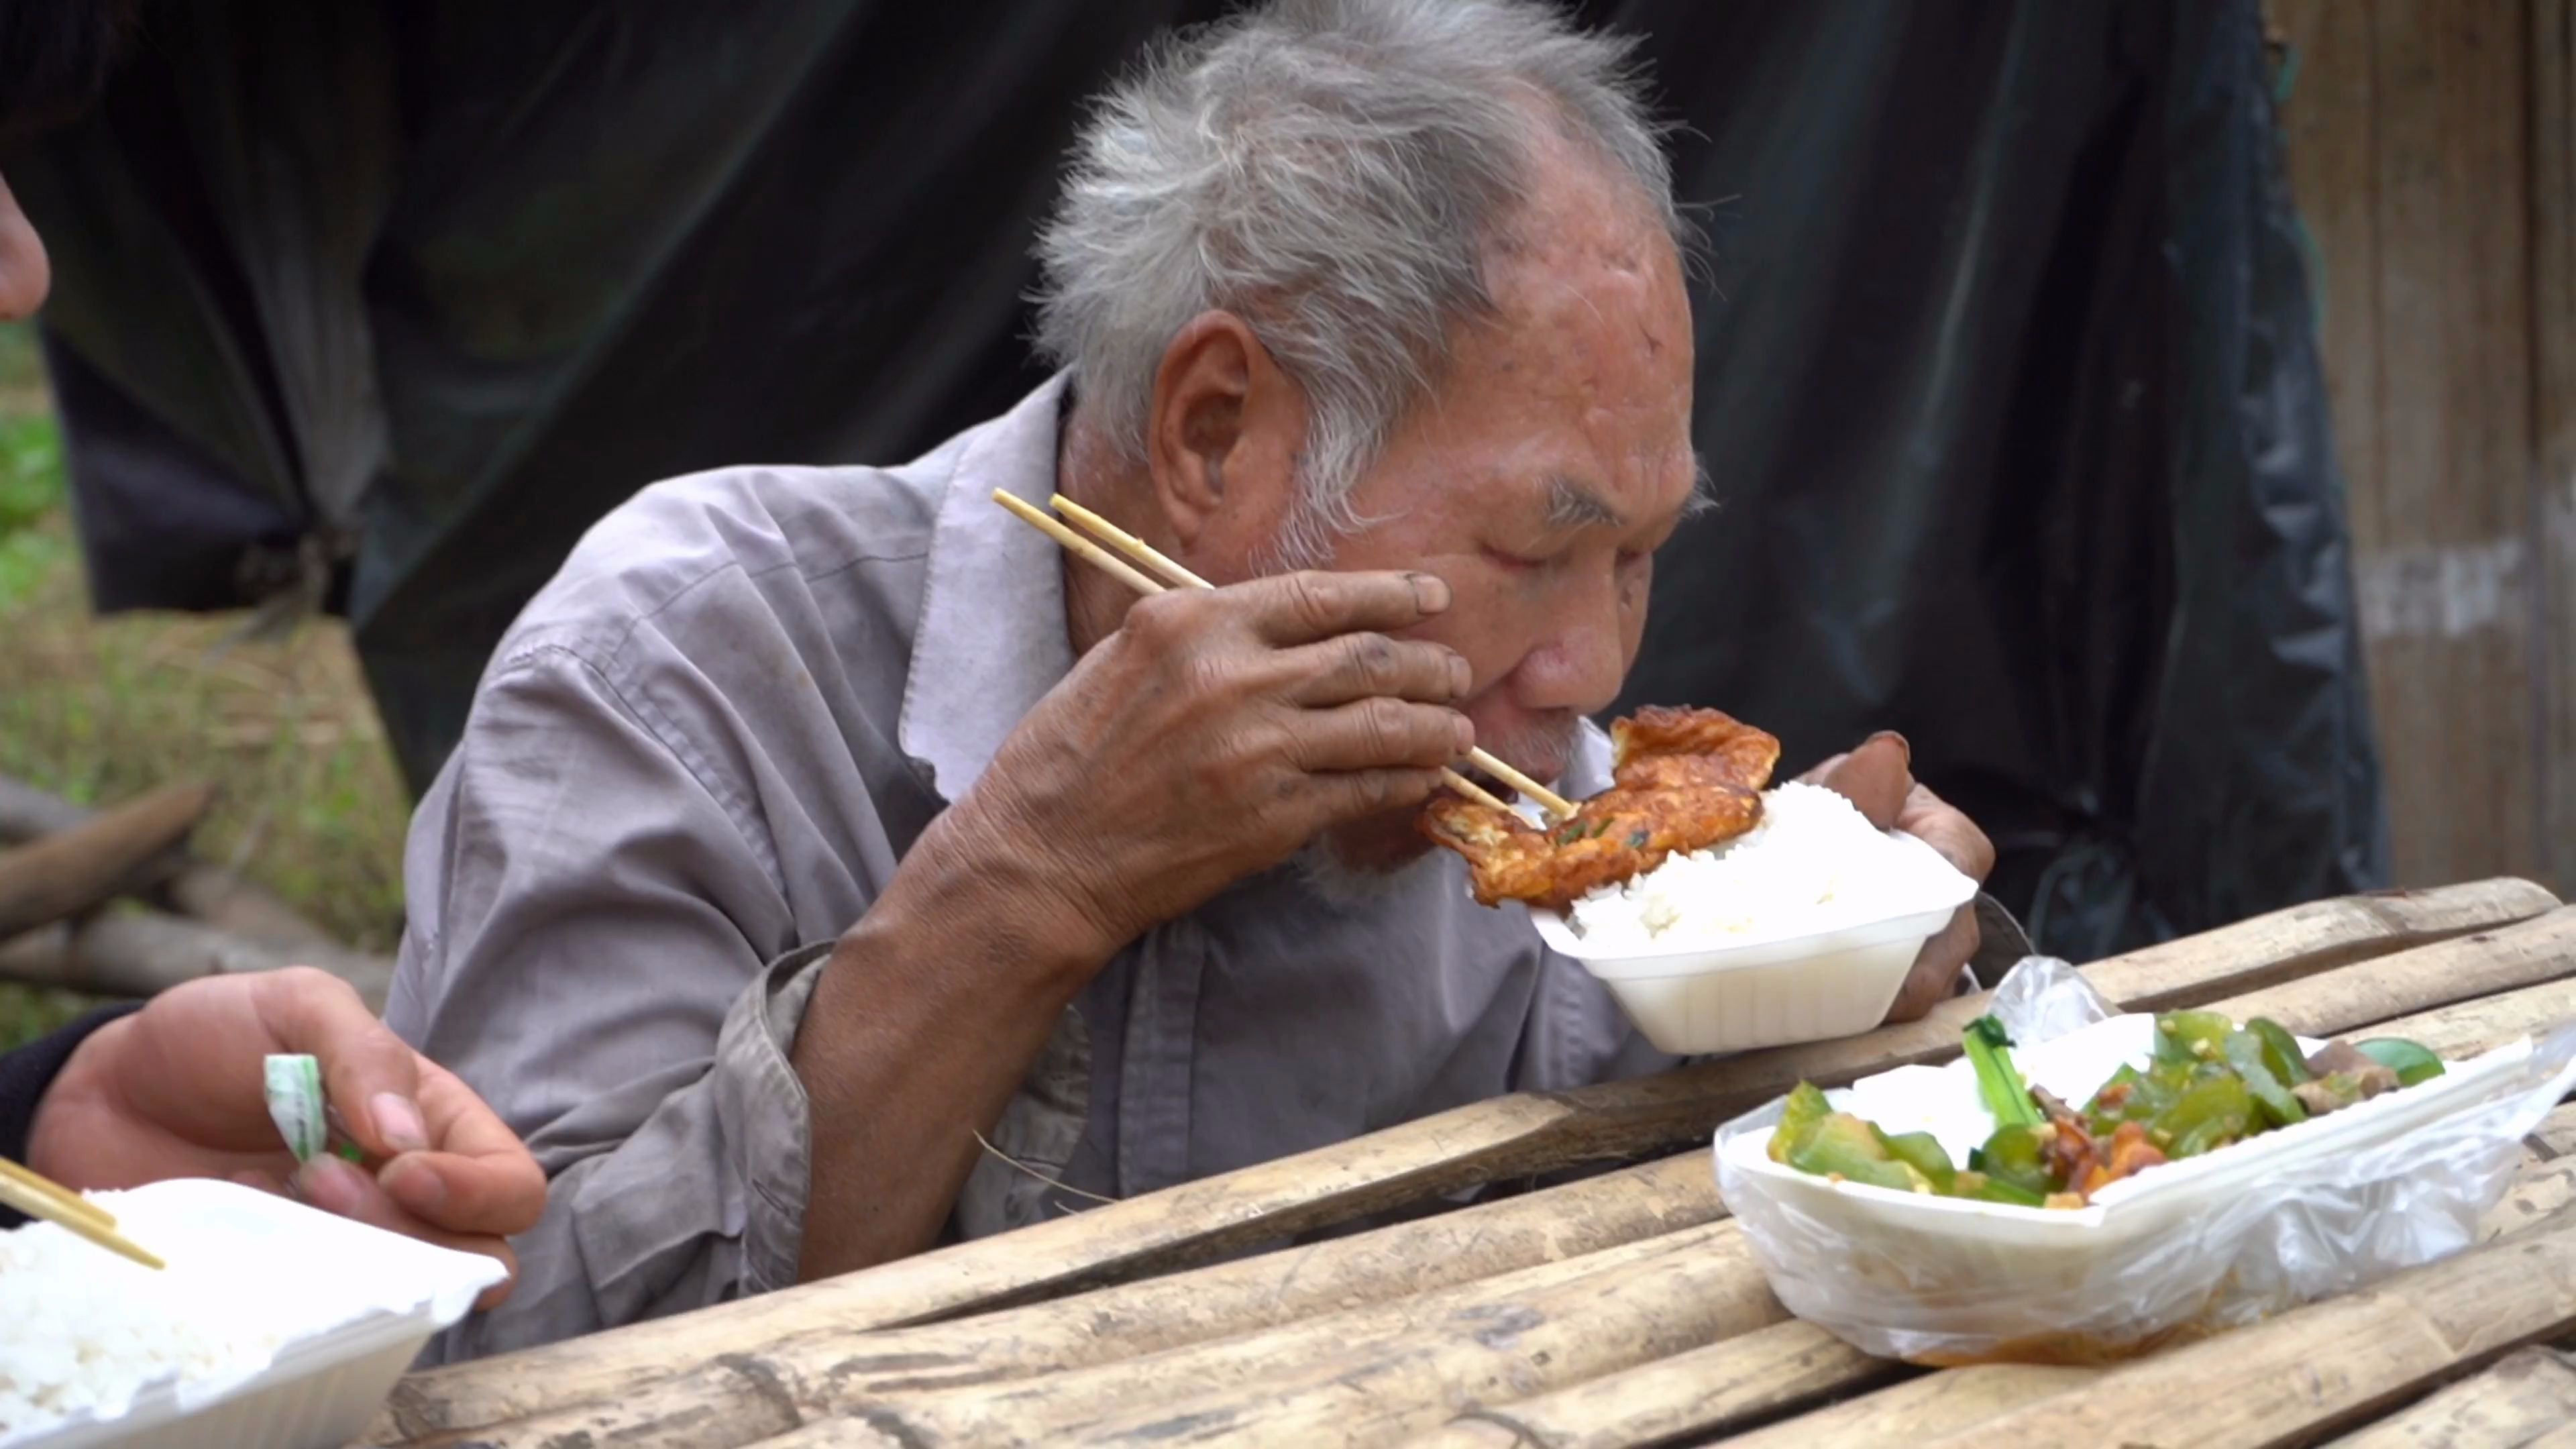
(143, 953)
(242, 909)
(2521, 1398)
(209, 893)
(61, 875)
(1486, 1142)
(733, 1398)
(27, 812)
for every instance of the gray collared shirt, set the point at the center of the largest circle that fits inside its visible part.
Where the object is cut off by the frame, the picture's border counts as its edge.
(699, 756)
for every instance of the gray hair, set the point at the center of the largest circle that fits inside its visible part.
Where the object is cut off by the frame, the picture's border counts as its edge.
(1332, 171)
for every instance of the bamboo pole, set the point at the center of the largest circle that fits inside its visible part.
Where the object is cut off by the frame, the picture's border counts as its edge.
(735, 1398)
(1535, 1329)
(952, 1383)
(1488, 1141)
(1708, 1391)
(1354, 1396)
(2521, 1398)
(1338, 1401)
(2318, 1368)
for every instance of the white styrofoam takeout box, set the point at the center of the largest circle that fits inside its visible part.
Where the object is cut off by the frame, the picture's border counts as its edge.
(1772, 990)
(319, 1391)
(1962, 1251)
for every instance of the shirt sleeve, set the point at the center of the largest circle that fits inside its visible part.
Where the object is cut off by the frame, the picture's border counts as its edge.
(600, 947)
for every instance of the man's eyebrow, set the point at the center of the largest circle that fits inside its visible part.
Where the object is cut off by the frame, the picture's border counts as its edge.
(1571, 504)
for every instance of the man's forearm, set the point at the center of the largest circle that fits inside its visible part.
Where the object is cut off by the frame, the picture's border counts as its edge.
(922, 1025)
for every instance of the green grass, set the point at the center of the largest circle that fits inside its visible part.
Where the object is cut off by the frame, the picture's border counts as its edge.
(31, 491)
(100, 710)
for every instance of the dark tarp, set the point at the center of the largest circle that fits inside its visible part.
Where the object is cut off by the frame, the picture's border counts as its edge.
(2007, 371)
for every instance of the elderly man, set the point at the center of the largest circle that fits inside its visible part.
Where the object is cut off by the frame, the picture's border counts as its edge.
(817, 827)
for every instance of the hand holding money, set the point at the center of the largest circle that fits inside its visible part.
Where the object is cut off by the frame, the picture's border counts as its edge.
(348, 1118)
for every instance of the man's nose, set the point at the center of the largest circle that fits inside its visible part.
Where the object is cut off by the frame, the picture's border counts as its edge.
(24, 273)
(1580, 663)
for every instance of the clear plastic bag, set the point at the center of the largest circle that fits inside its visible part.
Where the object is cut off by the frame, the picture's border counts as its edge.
(2321, 1208)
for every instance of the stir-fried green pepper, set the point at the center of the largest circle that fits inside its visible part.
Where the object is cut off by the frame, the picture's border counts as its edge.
(1806, 1107)
(2213, 1111)
(2281, 1051)
(2208, 1083)
(2133, 1096)
(2410, 1062)
(2191, 1036)
(1983, 1188)
(2007, 1096)
(1921, 1151)
(2018, 1155)
(2244, 1051)
(1844, 1146)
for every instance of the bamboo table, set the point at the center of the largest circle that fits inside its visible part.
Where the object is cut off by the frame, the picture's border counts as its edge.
(1620, 1309)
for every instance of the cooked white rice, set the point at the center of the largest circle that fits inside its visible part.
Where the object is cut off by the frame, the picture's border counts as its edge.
(1814, 863)
(82, 1329)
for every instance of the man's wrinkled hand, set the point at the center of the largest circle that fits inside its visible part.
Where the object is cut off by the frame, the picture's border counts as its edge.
(1213, 734)
(1878, 777)
(177, 1090)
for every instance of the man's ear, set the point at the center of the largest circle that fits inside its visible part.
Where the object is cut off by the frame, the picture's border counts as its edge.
(1220, 440)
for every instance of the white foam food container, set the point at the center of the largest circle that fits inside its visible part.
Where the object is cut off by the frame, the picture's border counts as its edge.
(1996, 1250)
(377, 1299)
(1770, 990)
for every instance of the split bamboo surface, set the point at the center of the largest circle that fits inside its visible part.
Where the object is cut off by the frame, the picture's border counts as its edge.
(1622, 1307)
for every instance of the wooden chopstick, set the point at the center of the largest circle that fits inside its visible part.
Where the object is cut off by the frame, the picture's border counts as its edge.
(1129, 544)
(1046, 523)
(35, 1181)
(41, 1197)
(1153, 558)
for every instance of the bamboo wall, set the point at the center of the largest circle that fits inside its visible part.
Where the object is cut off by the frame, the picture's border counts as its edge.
(2432, 147)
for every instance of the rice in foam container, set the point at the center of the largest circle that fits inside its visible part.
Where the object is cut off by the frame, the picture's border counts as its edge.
(1801, 929)
(1814, 863)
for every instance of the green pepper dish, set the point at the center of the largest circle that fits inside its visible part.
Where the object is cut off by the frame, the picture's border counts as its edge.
(2208, 1083)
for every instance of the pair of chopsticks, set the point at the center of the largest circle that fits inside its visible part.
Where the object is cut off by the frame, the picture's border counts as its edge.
(1175, 576)
(39, 1196)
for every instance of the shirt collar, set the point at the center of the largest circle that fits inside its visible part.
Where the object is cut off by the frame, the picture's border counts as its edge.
(991, 640)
